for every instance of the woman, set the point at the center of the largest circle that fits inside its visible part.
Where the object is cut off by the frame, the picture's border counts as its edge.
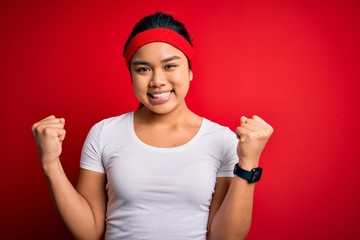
(162, 171)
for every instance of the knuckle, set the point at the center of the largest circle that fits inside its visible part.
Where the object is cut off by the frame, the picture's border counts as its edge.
(269, 130)
(253, 135)
(48, 131)
(37, 130)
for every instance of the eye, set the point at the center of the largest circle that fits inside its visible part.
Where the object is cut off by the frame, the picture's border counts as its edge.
(142, 69)
(170, 65)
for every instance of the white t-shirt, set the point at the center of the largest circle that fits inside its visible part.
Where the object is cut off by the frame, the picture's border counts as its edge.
(158, 193)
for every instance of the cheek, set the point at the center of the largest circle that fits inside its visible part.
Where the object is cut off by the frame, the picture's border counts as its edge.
(138, 92)
(137, 87)
(186, 79)
(182, 77)
(138, 83)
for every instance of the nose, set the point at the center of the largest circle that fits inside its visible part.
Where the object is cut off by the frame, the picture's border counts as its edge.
(158, 78)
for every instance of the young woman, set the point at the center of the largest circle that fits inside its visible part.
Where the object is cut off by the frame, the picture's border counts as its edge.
(162, 171)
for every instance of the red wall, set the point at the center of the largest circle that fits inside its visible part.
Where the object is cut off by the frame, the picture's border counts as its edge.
(295, 63)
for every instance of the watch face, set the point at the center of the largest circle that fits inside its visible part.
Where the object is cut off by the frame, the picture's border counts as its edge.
(256, 174)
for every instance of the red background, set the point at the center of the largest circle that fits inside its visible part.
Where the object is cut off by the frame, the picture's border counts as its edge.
(295, 63)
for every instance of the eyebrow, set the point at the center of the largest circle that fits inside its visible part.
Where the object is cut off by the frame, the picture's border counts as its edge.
(140, 62)
(170, 59)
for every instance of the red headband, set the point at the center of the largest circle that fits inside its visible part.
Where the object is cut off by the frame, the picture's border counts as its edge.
(159, 35)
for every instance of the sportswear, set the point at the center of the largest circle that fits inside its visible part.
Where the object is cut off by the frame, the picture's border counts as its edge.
(158, 193)
(164, 35)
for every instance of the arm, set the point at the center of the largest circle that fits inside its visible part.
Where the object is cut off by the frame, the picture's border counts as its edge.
(230, 217)
(82, 210)
(221, 187)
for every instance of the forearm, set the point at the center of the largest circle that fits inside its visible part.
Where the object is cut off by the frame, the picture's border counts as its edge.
(73, 209)
(233, 218)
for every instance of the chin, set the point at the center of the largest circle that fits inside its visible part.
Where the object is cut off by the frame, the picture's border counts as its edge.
(161, 108)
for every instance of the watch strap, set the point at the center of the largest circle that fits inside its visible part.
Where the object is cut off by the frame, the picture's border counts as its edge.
(242, 173)
(251, 176)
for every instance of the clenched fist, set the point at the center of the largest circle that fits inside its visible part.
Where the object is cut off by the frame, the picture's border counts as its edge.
(253, 134)
(49, 134)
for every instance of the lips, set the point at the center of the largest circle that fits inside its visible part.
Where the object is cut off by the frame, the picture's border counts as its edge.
(160, 97)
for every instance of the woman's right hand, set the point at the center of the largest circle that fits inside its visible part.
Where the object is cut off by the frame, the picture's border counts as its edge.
(49, 134)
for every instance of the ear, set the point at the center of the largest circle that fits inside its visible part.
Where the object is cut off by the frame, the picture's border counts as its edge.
(190, 75)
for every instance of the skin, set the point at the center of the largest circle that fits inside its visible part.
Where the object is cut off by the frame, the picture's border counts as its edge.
(158, 68)
(232, 219)
(166, 121)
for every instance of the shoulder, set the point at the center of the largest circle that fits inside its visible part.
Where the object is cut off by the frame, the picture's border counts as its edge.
(221, 138)
(211, 127)
(114, 121)
(111, 125)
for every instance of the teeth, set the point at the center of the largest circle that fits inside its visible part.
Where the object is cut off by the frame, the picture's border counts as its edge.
(161, 95)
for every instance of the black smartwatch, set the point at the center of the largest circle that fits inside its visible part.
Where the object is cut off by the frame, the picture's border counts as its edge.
(251, 176)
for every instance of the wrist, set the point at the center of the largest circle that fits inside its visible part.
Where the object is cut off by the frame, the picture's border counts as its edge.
(251, 176)
(50, 165)
(248, 164)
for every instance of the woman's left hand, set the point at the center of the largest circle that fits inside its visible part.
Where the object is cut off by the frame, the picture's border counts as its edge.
(253, 134)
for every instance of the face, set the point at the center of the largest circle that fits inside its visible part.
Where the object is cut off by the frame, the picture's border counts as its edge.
(161, 77)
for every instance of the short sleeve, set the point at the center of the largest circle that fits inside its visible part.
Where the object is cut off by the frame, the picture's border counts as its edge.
(91, 152)
(229, 156)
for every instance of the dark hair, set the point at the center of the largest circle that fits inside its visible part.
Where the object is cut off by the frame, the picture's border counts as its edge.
(158, 20)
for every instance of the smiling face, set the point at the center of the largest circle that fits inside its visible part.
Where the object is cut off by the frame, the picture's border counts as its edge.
(161, 77)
